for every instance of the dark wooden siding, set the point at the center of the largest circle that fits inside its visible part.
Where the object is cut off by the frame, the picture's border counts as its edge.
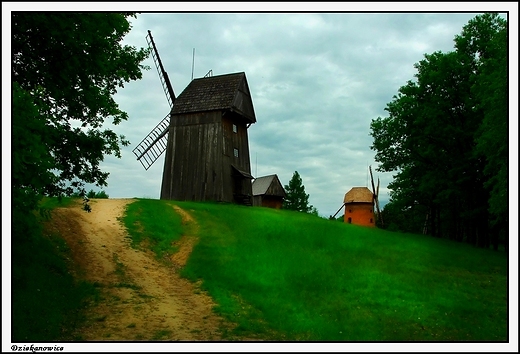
(239, 141)
(275, 189)
(243, 103)
(257, 200)
(193, 162)
(268, 201)
(200, 155)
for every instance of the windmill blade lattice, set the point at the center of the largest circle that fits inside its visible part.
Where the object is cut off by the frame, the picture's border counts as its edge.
(163, 76)
(154, 144)
(376, 195)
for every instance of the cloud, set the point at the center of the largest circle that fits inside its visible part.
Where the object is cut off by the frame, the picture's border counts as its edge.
(316, 79)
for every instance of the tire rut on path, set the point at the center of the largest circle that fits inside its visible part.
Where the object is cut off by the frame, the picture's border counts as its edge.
(141, 298)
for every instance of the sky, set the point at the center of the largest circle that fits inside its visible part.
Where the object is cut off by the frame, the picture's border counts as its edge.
(317, 80)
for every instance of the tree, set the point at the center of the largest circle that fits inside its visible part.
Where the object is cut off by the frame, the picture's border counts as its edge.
(484, 42)
(66, 67)
(296, 198)
(432, 135)
(430, 144)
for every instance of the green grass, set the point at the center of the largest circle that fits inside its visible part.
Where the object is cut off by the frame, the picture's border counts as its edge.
(281, 275)
(153, 224)
(292, 276)
(51, 203)
(47, 301)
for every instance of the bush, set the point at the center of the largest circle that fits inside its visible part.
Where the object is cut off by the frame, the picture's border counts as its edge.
(99, 195)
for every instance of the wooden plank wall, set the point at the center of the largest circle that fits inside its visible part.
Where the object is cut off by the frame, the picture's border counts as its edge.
(199, 157)
(238, 140)
(193, 158)
(275, 189)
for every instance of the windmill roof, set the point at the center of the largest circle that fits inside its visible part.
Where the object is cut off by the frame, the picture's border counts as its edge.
(241, 172)
(262, 184)
(222, 92)
(359, 195)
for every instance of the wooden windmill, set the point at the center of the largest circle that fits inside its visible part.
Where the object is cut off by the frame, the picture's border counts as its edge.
(205, 138)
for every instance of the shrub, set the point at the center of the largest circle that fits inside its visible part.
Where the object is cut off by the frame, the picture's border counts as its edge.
(99, 195)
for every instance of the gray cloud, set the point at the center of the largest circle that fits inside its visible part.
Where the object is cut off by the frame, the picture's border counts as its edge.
(316, 79)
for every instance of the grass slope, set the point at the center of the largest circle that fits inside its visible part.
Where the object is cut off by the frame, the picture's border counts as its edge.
(46, 299)
(150, 223)
(290, 276)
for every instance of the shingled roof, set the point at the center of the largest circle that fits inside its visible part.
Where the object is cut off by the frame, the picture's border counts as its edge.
(222, 92)
(269, 185)
(359, 195)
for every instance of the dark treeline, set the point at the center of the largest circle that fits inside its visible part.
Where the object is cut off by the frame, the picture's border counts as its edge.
(446, 139)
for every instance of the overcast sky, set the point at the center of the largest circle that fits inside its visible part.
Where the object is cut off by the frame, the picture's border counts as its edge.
(316, 79)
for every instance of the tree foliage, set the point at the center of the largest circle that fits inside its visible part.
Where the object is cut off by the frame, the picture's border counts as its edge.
(296, 198)
(66, 67)
(446, 139)
(491, 94)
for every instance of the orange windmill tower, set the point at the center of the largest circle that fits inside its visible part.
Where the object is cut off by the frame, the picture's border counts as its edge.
(359, 205)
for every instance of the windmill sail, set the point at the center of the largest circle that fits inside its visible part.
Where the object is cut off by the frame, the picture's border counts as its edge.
(379, 215)
(338, 211)
(163, 76)
(154, 144)
(376, 195)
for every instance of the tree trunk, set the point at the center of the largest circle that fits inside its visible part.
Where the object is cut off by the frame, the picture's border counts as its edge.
(470, 232)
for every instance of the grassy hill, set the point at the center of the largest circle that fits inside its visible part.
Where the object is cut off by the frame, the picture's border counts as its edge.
(290, 276)
(46, 299)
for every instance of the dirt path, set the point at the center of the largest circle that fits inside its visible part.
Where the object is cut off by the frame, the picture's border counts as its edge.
(141, 299)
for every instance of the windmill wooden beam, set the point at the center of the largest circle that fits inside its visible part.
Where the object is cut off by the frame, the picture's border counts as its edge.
(342, 205)
(379, 215)
(376, 196)
(163, 76)
(156, 142)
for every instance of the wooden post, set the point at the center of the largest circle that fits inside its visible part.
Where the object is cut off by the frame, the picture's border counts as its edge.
(379, 215)
(338, 210)
(425, 227)
(376, 199)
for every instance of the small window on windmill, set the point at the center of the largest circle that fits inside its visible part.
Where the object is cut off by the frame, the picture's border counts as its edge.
(234, 128)
(235, 152)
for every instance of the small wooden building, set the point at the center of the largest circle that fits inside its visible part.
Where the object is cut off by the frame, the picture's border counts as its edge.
(359, 207)
(207, 154)
(268, 192)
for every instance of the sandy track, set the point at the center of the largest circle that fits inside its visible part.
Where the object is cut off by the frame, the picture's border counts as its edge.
(141, 298)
